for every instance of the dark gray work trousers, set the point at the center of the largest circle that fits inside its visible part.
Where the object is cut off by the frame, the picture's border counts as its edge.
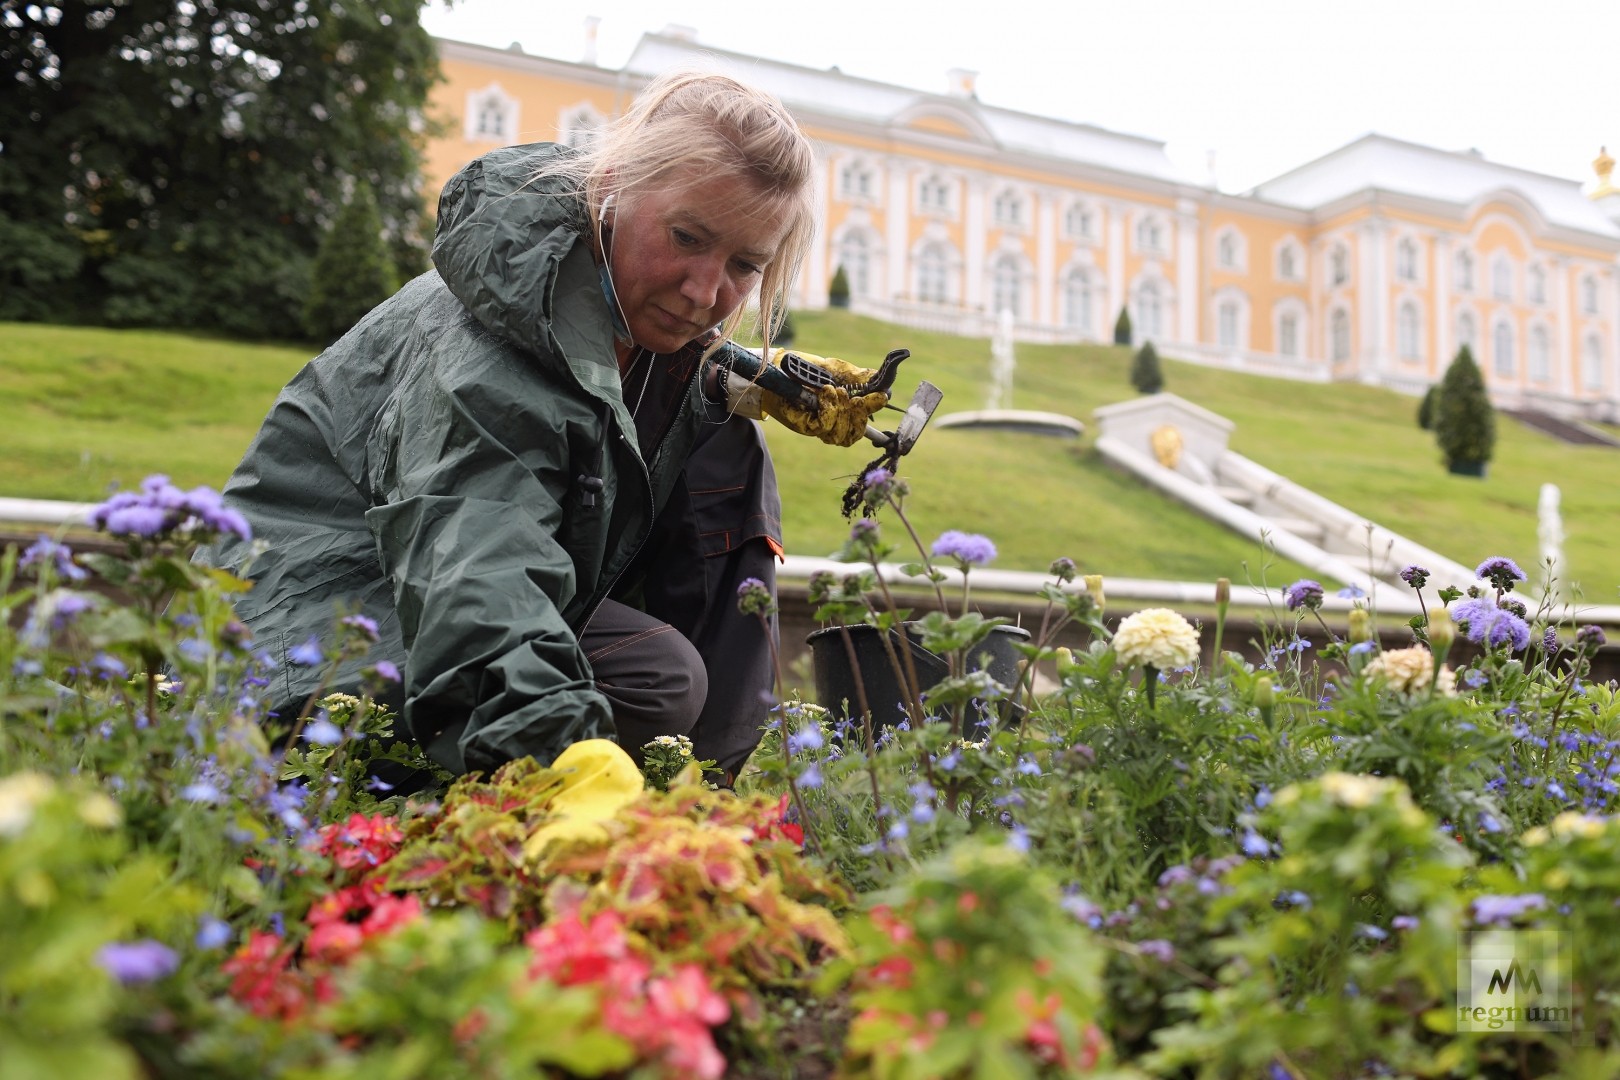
(670, 650)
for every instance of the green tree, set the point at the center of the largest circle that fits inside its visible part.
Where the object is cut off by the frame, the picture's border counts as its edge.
(1146, 373)
(838, 288)
(174, 164)
(1425, 413)
(1122, 327)
(352, 272)
(1464, 422)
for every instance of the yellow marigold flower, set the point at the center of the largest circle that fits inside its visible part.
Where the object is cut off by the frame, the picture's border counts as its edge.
(1410, 671)
(1576, 824)
(1157, 638)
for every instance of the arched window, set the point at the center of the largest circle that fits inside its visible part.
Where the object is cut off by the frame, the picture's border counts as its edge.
(580, 128)
(1502, 278)
(1078, 222)
(1340, 344)
(933, 274)
(855, 255)
(1149, 234)
(1502, 350)
(1592, 363)
(1004, 285)
(933, 195)
(1227, 317)
(1008, 208)
(1229, 250)
(1287, 263)
(492, 115)
(1536, 285)
(1149, 321)
(1406, 259)
(1466, 334)
(1589, 295)
(1540, 354)
(1339, 265)
(1077, 301)
(1465, 271)
(1288, 333)
(857, 181)
(1408, 332)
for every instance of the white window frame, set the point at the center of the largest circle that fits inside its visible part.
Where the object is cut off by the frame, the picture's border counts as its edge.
(933, 273)
(857, 181)
(1504, 350)
(1340, 343)
(1502, 278)
(934, 194)
(1338, 265)
(1007, 209)
(1079, 222)
(1147, 319)
(1538, 354)
(1079, 301)
(1464, 264)
(1407, 258)
(1589, 294)
(1007, 284)
(1290, 261)
(1231, 250)
(579, 126)
(1468, 332)
(1290, 310)
(1535, 285)
(494, 98)
(1592, 361)
(1409, 330)
(1149, 234)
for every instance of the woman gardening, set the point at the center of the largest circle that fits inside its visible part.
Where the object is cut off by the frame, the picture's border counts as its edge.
(521, 468)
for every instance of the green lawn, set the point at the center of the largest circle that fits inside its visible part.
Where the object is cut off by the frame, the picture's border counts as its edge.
(86, 408)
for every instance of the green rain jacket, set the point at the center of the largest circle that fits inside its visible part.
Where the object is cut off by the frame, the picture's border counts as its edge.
(429, 466)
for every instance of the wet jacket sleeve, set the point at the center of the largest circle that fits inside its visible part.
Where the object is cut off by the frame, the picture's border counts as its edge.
(467, 528)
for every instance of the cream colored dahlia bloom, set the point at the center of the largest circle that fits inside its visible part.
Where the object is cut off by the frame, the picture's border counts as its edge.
(1157, 638)
(1410, 671)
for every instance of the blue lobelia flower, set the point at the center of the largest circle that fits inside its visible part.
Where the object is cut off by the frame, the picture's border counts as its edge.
(138, 961)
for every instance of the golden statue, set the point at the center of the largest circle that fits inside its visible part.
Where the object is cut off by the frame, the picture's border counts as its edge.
(1603, 165)
(1167, 446)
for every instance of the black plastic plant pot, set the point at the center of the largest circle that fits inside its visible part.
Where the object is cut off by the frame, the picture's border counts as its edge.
(836, 679)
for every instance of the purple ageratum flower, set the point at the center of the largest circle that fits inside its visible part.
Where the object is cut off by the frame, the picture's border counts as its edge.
(969, 549)
(1486, 624)
(1500, 571)
(1157, 948)
(1063, 569)
(308, 654)
(1415, 576)
(1303, 593)
(366, 625)
(1591, 637)
(138, 961)
(322, 732)
(213, 933)
(160, 508)
(864, 531)
(386, 669)
(60, 556)
(1493, 910)
(1351, 592)
(754, 597)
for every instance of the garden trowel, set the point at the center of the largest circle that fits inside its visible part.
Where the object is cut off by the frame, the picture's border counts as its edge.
(899, 442)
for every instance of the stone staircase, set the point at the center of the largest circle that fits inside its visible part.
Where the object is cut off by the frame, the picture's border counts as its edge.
(1574, 432)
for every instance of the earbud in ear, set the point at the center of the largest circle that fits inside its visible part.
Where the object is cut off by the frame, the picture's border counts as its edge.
(601, 215)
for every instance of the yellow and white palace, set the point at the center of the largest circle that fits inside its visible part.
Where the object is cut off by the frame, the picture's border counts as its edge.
(1373, 263)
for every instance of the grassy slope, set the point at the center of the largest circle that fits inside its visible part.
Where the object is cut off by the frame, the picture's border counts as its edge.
(85, 408)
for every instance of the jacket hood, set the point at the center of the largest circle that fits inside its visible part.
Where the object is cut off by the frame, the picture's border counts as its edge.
(502, 240)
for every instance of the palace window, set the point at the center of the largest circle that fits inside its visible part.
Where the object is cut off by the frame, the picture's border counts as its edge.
(1150, 235)
(1149, 312)
(933, 274)
(1077, 222)
(857, 181)
(1288, 334)
(1339, 265)
(1502, 279)
(1540, 355)
(1592, 363)
(1408, 332)
(1502, 350)
(933, 195)
(1004, 285)
(1465, 271)
(1288, 263)
(1340, 333)
(1466, 334)
(1229, 250)
(1008, 209)
(1406, 259)
(1077, 301)
(1589, 295)
(855, 255)
(1535, 285)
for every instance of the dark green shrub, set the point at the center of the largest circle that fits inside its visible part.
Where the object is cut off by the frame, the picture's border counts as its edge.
(838, 288)
(1122, 327)
(1146, 373)
(1426, 407)
(1464, 421)
(785, 333)
(353, 270)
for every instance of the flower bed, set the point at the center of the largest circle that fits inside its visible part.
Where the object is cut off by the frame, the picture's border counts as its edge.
(1160, 868)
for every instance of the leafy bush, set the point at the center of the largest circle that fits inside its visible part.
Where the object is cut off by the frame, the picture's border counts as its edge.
(352, 272)
(1147, 375)
(1122, 327)
(1465, 422)
(1426, 407)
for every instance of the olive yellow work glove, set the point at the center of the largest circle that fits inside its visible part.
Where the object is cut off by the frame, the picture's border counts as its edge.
(840, 418)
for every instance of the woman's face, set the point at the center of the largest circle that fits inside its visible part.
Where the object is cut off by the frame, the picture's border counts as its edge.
(685, 257)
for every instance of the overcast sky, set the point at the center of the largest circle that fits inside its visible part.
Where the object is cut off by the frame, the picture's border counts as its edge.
(1265, 84)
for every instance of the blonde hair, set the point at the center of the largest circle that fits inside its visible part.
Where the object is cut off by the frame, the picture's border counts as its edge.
(690, 122)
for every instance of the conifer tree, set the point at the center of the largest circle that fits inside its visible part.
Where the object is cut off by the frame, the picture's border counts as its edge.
(1122, 327)
(1146, 374)
(1465, 422)
(352, 272)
